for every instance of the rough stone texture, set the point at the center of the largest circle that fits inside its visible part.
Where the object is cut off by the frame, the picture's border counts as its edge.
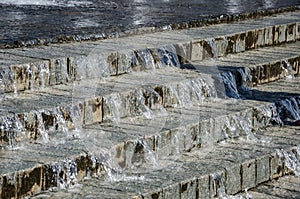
(285, 187)
(262, 169)
(233, 179)
(204, 187)
(248, 174)
(187, 152)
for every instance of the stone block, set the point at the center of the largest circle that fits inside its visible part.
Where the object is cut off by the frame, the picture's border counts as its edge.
(83, 164)
(188, 189)
(29, 121)
(217, 184)
(22, 75)
(297, 31)
(233, 179)
(156, 194)
(93, 111)
(178, 140)
(113, 107)
(208, 49)
(279, 34)
(71, 68)
(294, 62)
(221, 44)
(172, 191)
(170, 95)
(8, 186)
(248, 174)
(30, 182)
(260, 38)
(124, 62)
(196, 51)
(184, 52)
(163, 144)
(206, 129)
(58, 71)
(276, 166)
(276, 71)
(250, 40)
(236, 43)
(112, 61)
(262, 169)
(264, 73)
(254, 71)
(192, 138)
(269, 36)
(204, 187)
(291, 32)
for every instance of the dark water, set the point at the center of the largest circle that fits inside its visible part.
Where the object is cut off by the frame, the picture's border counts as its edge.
(25, 20)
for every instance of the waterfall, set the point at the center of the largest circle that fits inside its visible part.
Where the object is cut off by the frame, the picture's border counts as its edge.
(289, 110)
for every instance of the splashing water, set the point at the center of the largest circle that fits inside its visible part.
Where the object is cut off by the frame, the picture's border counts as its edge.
(225, 84)
(168, 56)
(288, 70)
(64, 173)
(114, 104)
(213, 47)
(288, 110)
(41, 126)
(245, 79)
(291, 159)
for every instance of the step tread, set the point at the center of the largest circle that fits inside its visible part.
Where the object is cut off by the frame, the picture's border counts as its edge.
(285, 187)
(158, 38)
(106, 136)
(172, 172)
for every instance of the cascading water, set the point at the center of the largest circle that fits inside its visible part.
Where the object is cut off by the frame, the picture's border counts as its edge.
(288, 70)
(213, 47)
(291, 159)
(114, 104)
(289, 110)
(168, 56)
(225, 83)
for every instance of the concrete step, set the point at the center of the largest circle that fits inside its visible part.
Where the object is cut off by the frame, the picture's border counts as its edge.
(131, 143)
(30, 68)
(216, 171)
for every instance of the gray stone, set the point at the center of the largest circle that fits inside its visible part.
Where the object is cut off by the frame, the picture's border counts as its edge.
(233, 179)
(248, 174)
(262, 169)
(188, 189)
(204, 187)
(172, 191)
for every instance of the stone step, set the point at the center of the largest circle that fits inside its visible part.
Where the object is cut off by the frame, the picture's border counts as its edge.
(68, 157)
(29, 114)
(29, 68)
(285, 187)
(261, 65)
(216, 171)
(65, 107)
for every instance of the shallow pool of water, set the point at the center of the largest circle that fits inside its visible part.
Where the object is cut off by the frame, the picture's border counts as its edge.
(25, 20)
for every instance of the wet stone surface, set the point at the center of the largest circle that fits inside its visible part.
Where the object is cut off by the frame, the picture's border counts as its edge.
(27, 22)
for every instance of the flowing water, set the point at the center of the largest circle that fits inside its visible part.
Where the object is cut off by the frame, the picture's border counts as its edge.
(23, 21)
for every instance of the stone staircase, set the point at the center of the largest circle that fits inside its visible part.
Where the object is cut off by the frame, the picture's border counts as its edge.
(195, 113)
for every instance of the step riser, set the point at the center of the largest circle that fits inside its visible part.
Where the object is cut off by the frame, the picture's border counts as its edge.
(67, 69)
(35, 124)
(229, 180)
(171, 142)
